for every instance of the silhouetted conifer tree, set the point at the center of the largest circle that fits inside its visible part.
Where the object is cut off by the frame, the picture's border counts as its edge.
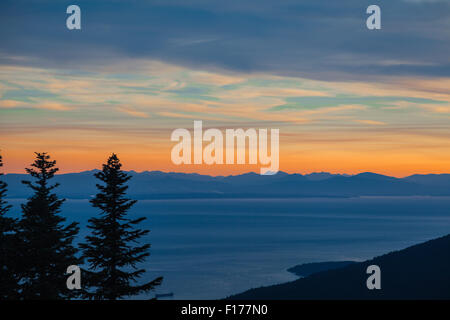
(112, 251)
(47, 243)
(8, 248)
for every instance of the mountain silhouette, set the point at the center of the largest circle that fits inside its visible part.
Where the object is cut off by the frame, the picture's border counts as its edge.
(157, 184)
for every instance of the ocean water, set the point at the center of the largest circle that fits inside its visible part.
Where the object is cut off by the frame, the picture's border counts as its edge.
(209, 249)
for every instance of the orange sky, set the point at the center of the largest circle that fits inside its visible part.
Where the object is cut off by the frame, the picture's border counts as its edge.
(396, 158)
(397, 126)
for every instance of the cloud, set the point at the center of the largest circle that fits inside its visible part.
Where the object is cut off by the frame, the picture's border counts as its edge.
(49, 105)
(371, 122)
(324, 40)
(190, 42)
(248, 92)
(188, 116)
(335, 109)
(216, 78)
(9, 103)
(418, 88)
(131, 112)
(166, 94)
(437, 108)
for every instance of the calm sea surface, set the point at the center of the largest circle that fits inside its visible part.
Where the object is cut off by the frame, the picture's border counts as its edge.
(208, 249)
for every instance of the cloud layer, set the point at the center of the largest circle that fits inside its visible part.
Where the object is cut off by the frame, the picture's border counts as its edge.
(325, 40)
(345, 99)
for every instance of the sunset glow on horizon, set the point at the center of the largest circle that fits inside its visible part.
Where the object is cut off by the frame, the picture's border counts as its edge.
(345, 99)
(397, 128)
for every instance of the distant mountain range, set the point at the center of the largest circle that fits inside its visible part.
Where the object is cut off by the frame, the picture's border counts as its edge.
(157, 185)
(417, 272)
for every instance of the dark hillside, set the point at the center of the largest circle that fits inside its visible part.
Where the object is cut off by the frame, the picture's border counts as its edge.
(418, 272)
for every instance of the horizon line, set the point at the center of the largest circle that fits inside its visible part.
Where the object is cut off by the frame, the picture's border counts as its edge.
(249, 172)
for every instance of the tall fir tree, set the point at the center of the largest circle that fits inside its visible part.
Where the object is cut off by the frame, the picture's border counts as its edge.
(9, 278)
(47, 243)
(112, 251)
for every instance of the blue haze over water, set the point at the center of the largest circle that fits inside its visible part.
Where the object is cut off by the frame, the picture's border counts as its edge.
(212, 248)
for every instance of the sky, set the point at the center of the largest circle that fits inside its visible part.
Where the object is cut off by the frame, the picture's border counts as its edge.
(346, 99)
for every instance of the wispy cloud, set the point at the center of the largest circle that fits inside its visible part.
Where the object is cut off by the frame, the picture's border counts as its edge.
(132, 112)
(9, 103)
(371, 122)
(437, 108)
(49, 105)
